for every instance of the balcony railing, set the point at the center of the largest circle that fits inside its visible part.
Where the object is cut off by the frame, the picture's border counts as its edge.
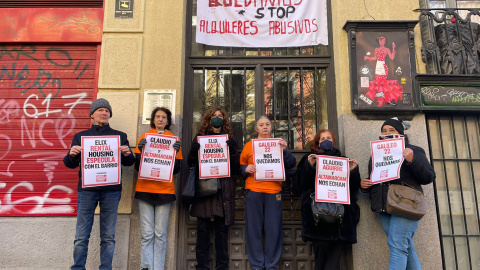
(451, 44)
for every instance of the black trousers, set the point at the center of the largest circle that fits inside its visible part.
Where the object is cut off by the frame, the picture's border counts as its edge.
(328, 254)
(203, 243)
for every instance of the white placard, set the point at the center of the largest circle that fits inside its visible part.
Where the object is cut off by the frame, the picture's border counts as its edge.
(153, 98)
(387, 158)
(213, 157)
(158, 158)
(100, 161)
(332, 180)
(268, 160)
(265, 23)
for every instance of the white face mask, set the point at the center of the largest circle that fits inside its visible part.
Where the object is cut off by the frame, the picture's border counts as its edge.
(391, 136)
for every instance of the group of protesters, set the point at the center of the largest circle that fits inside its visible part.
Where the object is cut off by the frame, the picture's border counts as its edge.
(263, 199)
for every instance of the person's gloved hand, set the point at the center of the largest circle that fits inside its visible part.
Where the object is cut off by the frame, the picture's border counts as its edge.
(231, 145)
(141, 144)
(176, 146)
(195, 146)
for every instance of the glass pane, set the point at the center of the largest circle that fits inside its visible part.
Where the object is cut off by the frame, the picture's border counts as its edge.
(321, 87)
(309, 108)
(435, 141)
(473, 137)
(198, 93)
(442, 197)
(250, 104)
(468, 4)
(476, 176)
(449, 253)
(468, 197)
(436, 4)
(460, 138)
(295, 104)
(463, 262)
(475, 246)
(234, 105)
(455, 197)
(447, 137)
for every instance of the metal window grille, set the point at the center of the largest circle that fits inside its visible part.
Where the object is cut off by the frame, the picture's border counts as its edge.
(455, 154)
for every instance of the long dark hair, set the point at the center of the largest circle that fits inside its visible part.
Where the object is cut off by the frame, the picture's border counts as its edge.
(166, 111)
(207, 116)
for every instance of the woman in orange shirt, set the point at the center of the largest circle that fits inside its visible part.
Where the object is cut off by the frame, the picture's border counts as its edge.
(155, 198)
(263, 205)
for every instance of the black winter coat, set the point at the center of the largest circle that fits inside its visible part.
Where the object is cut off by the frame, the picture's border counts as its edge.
(95, 130)
(416, 173)
(221, 204)
(347, 230)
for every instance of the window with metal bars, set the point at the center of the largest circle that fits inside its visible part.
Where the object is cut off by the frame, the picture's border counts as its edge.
(455, 154)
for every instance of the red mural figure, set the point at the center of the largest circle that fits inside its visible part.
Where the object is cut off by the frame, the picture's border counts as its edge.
(383, 90)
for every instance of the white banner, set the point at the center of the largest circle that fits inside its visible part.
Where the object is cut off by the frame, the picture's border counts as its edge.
(332, 181)
(213, 157)
(261, 23)
(387, 158)
(158, 158)
(100, 161)
(268, 160)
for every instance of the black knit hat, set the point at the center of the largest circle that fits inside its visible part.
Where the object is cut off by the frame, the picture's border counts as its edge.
(100, 103)
(397, 124)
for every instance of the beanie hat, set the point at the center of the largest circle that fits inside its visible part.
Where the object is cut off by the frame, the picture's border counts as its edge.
(100, 103)
(398, 124)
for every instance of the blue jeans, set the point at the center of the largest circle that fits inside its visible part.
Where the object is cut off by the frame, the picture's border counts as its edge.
(153, 227)
(400, 233)
(86, 203)
(263, 214)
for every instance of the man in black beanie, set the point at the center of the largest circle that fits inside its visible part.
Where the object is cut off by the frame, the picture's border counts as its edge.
(107, 196)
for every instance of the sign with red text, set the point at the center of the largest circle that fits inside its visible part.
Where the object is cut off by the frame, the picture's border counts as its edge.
(158, 158)
(213, 157)
(100, 161)
(262, 23)
(268, 160)
(387, 158)
(332, 180)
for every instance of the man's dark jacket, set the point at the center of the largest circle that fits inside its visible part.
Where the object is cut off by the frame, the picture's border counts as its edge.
(96, 130)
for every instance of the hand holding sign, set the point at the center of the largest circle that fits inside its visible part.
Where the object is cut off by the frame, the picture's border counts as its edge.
(408, 154)
(75, 150)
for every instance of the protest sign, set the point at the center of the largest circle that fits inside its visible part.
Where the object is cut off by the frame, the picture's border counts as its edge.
(268, 160)
(158, 158)
(261, 23)
(100, 161)
(387, 158)
(332, 181)
(213, 157)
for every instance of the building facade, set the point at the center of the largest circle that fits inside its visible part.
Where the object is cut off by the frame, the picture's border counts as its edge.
(58, 56)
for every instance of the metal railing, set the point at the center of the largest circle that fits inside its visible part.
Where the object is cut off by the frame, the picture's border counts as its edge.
(451, 43)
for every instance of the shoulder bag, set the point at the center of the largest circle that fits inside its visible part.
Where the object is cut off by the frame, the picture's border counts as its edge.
(405, 201)
(324, 212)
(188, 192)
(207, 187)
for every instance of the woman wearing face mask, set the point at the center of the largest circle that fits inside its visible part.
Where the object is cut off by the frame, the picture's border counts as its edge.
(220, 206)
(263, 205)
(329, 240)
(414, 172)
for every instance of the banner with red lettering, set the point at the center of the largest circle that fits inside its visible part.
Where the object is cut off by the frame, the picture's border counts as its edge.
(332, 181)
(158, 158)
(213, 157)
(387, 158)
(261, 23)
(100, 161)
(268, 160)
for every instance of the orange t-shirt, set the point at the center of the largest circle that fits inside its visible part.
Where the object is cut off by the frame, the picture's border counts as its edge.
(150, 186)
(246, 158)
